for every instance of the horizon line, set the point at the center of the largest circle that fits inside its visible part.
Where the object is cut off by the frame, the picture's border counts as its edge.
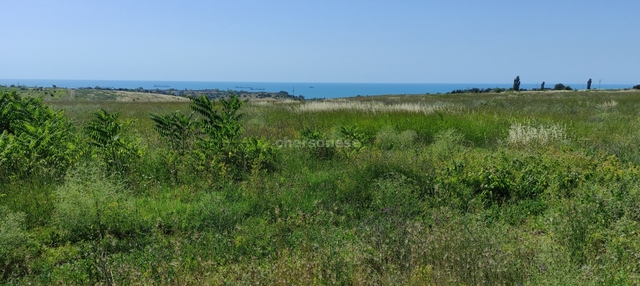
(294, 82)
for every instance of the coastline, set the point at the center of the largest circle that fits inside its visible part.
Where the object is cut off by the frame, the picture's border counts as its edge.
(319, 90)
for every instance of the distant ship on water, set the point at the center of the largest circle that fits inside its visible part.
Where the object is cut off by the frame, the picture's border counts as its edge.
(160, 85)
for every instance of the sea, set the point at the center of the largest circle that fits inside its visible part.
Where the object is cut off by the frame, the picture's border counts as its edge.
(306, 89)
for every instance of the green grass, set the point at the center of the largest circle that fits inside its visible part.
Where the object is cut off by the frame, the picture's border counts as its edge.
(432, 199)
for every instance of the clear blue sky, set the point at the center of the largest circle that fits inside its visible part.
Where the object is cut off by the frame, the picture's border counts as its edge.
(430, 41)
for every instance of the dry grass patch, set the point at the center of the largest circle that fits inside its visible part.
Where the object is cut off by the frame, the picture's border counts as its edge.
(146, 97)
(607, 104)
(374, 107)
(527, 134)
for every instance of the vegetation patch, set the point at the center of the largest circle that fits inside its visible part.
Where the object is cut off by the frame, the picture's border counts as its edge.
(509, 188)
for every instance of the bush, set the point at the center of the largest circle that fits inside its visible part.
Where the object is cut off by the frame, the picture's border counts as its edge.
(256, 154)
(222, 143)
(107, 135)
(35, 140)
(559, 86)
(395, 194)
(388, 139)
(317, 143)
(636, 87)
(13, 239)
(355, 138)
(89, 206)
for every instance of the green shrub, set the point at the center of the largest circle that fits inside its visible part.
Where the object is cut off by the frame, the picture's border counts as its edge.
(14, 241)
(354, 139)
(256, 154)
(388, 139)
(395, 195)
(179, 133)
(316, 142)
(222, 150)
(177, 129)
(355, 136)
(89, 206)
(35, 140)
(446, 143)
(107, 134)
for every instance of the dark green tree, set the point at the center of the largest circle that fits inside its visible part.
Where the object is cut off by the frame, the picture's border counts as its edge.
(516, 83)
(589, 84)
(542, 86)
(559, 86)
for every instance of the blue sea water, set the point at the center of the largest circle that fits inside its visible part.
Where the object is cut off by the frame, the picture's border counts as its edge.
(306, 89)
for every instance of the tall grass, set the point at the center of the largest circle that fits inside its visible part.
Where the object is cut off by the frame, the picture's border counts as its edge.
(525, 134)
(374, 107)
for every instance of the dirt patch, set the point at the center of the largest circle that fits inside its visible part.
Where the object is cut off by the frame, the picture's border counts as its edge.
(146, 97)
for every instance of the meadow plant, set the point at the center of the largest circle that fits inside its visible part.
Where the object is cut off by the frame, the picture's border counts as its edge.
(318, 148)
(14, 240)
(396, 195)
(90, 205)
(222, 150)
(446, 198)
(111, 143)
(373, 107)
(35, 140)
(607, 105)
(525, 134)
(388, 139)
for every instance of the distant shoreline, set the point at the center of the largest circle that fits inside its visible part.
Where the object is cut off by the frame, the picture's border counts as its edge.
(319, 90)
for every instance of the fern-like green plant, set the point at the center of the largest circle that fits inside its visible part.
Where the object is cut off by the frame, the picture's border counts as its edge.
(317, 143)
(223, 126)
(356, 137)
(7, 146)
(230, 118)
(179, 132)
(177, 129)
(36, 139)
(49, 147)
(258, 154)
(222, 130)
(105, 133)
(10, 104)
(211, 121)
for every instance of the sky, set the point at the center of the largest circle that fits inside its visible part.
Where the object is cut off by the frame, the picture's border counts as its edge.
(428, 41)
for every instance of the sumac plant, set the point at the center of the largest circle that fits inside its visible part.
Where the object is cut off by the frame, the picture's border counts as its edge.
(107, 135)
(34, 139)
(219, 145)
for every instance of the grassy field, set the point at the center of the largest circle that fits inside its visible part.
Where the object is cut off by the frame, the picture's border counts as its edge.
(529, 188)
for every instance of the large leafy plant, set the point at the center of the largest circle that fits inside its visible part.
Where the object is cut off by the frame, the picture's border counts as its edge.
(34, 138)
(107, 135)
(214, 139)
